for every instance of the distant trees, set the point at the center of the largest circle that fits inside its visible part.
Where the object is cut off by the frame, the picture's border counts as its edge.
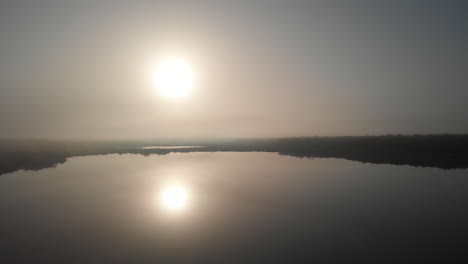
(441, 151)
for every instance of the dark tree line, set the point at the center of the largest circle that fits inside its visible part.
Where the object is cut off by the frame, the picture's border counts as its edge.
(440, 151)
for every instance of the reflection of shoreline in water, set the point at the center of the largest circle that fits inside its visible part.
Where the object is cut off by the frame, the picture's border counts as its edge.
(172, 147)
(199, 205)
(438, 151)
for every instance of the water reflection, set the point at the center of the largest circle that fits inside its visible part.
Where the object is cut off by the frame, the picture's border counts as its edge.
(230, 208)
(174, 198)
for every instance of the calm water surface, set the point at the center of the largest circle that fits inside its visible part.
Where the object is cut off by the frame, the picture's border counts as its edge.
(232, 208)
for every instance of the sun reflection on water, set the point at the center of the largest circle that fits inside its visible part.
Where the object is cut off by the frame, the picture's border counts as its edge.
(174, 198)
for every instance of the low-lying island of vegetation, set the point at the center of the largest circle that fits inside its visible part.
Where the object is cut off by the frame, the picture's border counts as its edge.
(441, 151)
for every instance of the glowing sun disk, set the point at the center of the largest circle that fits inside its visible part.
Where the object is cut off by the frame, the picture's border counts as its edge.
(173, 78)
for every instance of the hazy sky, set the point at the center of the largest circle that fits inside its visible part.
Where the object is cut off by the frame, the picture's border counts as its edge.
(80, 69)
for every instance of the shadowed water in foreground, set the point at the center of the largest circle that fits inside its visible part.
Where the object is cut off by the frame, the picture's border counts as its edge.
(439, 151)
(230, 207)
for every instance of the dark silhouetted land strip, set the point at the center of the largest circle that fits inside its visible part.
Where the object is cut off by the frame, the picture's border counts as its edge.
(440, 151)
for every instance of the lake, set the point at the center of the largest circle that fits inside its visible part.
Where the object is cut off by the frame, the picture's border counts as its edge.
(230, 207)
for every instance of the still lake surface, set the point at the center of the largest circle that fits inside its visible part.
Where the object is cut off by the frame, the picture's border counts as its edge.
(231, 208)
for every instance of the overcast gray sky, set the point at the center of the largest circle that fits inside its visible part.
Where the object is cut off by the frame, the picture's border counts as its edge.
(79, 69)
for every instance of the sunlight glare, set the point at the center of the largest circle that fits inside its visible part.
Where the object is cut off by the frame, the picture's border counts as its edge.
(174, 198)
(173, 78)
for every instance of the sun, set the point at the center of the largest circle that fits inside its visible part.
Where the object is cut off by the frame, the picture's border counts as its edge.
(173, 78)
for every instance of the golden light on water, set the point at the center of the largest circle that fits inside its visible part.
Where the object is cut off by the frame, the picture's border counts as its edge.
(173, 78)
(174, 198)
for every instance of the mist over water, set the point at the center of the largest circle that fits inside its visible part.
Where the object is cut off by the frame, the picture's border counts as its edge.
(230, 208)
(171, 147)
(256, 132)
